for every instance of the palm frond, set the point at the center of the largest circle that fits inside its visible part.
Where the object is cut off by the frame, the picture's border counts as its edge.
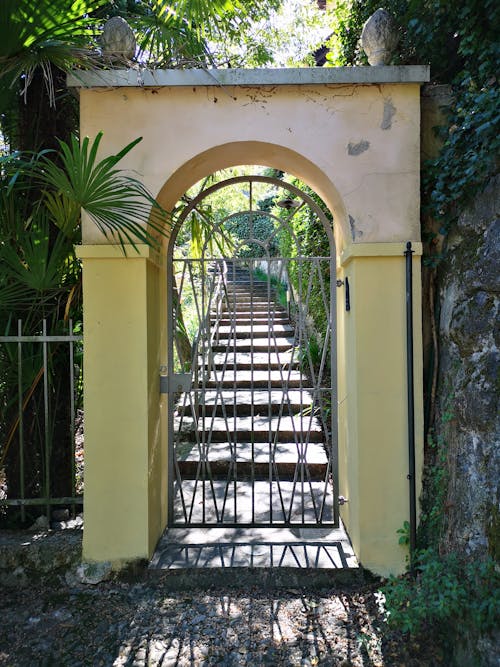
(42, 35)
(166, 39)
(119, 204)
(36, 261)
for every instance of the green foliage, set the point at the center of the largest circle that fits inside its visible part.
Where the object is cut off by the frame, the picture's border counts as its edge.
(435, 490)
(190, 31)
(279, 287)
(447, 594)
(37, 36)
(404, 534)
(255, 237)
(306, 236)
(40, 203)
(462, 49)
(450, 592)
(468, 157)
(115, 202)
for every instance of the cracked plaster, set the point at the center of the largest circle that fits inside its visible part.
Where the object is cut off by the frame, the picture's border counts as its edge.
(302, 129)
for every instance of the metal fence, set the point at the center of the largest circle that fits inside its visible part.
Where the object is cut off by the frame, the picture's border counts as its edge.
(40, 396)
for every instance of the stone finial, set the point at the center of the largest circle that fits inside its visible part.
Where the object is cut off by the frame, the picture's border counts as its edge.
(117, 39)
(379, 37)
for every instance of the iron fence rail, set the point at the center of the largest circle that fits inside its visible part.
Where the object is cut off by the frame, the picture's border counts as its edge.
(44, 497)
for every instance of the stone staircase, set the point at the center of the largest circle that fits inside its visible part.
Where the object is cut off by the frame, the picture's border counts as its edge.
(251, 436)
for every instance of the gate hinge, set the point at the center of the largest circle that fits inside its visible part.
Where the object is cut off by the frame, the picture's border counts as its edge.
(177, 382)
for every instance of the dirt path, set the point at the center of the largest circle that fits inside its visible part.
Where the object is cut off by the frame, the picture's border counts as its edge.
(141, 623)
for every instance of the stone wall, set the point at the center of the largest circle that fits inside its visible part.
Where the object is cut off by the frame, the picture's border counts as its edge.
(466, 418)
(468, 379)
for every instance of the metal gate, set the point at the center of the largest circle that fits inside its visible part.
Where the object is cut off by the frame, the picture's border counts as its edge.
(251, 374)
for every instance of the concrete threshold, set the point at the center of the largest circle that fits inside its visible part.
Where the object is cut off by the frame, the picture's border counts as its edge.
(255, 557)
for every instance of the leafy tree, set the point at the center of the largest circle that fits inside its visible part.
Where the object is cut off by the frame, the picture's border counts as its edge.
(46, 178)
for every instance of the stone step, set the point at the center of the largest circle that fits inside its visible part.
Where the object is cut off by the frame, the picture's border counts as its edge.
(249, 319)
(241, 280)
(282, 470)
(246, 296)
(264, 453)
(258, 361)
(256, 306)
(257, 402)
(254, 345)
(245, 429)
(256, 331)
(238, 502)
(257, 379)
(250, 302)
(292, 558)
(265, 316)
(249, 288)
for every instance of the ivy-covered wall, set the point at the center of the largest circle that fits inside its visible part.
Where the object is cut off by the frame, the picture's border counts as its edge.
(460, 528)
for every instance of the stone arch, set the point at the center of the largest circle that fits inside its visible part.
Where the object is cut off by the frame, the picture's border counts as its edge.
(353, 135)
(257, 153)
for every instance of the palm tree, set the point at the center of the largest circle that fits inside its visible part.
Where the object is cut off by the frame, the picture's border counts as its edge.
(40, 281)
(47, 178)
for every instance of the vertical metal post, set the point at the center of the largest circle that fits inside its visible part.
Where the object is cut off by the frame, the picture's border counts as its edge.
(48, 446)
(411, 402)
(170, 398)
(72, 415)
(20, 412)
(334, 457)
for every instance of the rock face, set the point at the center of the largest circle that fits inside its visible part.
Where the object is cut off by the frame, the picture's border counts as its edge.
(467, 397)
(379, 37)
(467, 415)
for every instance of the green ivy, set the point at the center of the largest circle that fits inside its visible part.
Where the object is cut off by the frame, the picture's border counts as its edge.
(259, 227)
(462, 48)
(448, 594)
(308, 229)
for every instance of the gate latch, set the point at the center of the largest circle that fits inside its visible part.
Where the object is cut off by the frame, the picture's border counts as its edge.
(345, 282)
(176, 382)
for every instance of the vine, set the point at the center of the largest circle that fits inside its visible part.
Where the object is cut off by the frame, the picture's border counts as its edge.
(451, 594)
(463, 50)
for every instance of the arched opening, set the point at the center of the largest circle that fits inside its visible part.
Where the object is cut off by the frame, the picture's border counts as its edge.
(265, 154)
(252, 357)
(365, 171)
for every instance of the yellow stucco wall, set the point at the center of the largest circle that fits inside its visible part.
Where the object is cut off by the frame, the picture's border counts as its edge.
(373, 436)
(125, 454)
(356, 146)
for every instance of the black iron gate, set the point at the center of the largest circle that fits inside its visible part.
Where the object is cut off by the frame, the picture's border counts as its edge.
(252, 381)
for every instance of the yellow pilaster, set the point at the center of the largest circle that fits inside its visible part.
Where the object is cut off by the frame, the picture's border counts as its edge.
(125, 451)
(373, 431)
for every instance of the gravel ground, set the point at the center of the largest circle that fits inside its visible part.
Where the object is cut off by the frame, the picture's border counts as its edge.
(141, 623)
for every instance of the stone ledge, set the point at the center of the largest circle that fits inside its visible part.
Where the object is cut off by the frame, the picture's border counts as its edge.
(116, 251)
(378, 250)
(25, 555)
(302, 76)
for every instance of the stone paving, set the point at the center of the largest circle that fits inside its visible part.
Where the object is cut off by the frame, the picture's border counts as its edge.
(144, 624)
